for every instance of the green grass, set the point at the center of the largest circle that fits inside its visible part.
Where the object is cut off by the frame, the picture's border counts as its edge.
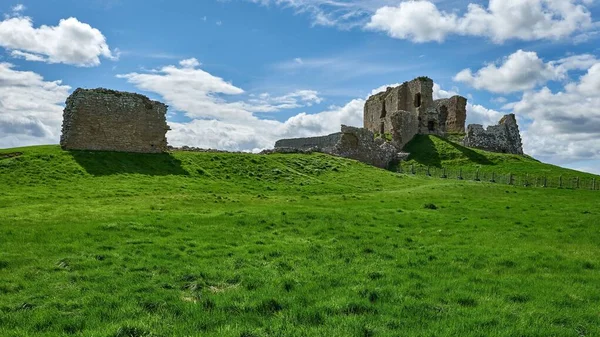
(434, 151)
(213, 244)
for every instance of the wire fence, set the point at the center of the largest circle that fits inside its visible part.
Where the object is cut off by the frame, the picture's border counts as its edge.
(525, 180)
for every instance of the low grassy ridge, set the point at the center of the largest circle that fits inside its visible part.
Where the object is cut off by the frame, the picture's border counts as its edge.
(214, 244)
(438, 152)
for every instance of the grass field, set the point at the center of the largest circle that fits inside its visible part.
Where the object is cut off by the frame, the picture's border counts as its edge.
(438, 152)
(215, 244)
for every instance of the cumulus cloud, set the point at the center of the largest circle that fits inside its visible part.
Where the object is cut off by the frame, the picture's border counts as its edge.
(501, 20)
(566, 124)
(523, 70)
(201, 95)
(221, 121)
(70, 42)
(30, 108)
(257, 134)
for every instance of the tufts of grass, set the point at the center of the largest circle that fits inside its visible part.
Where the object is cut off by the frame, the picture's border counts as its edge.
(217, 244)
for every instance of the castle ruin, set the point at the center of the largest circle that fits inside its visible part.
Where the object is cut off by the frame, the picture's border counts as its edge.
(109, 120)
(409, 109)
(503, 138)
(397, 114)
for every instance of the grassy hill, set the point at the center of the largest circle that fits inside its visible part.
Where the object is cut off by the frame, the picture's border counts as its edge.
(439, 152)
(216, 244)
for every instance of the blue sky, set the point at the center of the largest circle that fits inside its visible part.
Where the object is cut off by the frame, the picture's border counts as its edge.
(239, 74)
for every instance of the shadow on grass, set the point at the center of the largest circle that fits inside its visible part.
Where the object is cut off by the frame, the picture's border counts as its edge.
(473, 156)
(101, 163)
(423, 150)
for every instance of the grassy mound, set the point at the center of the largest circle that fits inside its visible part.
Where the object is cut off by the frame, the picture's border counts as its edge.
(434, 151)
(213, 244)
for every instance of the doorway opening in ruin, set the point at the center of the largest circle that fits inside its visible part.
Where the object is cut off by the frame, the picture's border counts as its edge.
(431, 126)
(417, 100)
(382, 115)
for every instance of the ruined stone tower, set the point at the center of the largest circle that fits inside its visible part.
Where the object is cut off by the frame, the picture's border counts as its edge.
(409, 109)
(108, 120)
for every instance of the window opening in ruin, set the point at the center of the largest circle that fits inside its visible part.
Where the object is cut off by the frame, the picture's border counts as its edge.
(417, 100)
(444, 110)
(431, 126)
(382, 115)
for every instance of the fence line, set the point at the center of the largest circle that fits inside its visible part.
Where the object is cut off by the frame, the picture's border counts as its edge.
(526, 180)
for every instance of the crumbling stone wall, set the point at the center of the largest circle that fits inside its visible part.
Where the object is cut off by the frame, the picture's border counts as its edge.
(409, 109)
(503, 138)
(355, 143)
(453, 113)
(324, 143)
(108, 120)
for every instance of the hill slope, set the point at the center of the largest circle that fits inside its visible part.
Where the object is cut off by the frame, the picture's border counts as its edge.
(213, 244)
(439, 152)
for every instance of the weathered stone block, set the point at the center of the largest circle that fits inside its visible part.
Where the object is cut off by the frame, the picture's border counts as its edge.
(502, 138)
(108, 120)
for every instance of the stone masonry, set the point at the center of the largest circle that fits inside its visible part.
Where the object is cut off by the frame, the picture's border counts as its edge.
(453, 113)
(393, 117)
(409, 109)
(503, 138)
(354, 143)
(323, 143)
(108, 120)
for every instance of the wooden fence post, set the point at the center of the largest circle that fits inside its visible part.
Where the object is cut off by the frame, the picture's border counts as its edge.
(545, 182)
(460, 177)
(428, 172)
(510, 179)
(412, 168)
(594, 184)
(493, 177)
(560, 181)
(577, 183)
(477, 176)
(444, 175)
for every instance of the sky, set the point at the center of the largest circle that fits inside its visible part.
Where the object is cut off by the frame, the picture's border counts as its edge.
(241, 74)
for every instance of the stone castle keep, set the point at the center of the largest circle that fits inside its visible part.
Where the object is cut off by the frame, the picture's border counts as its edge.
(108, 120)
(395, 116)
(409, 109)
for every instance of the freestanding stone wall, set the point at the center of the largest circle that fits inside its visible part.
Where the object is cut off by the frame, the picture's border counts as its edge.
(108, 120)
(503, 138)
(324, 143)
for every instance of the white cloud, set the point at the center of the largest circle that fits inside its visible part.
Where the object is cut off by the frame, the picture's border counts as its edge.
(30, 108)
(523, 70)
(231, 125)
(70, 42)
(189, 63)
(341, 13)
(257, 134)
(438, 92)
(16, 9)
(422, 21)
(200, 94)
(566, 124)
